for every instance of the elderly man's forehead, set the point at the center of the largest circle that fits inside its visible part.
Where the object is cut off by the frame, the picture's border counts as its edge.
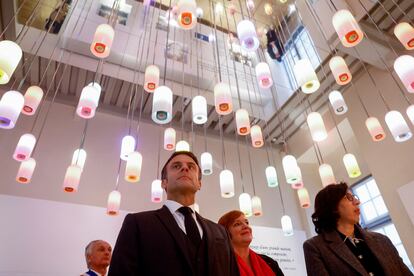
(100, 243)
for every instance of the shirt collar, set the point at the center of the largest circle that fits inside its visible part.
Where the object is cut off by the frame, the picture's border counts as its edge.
(173, 206)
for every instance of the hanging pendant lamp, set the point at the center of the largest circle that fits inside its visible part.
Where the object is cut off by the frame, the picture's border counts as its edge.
(375, 129)
(405, 34)
(246, 33)
(242, 122)
(24, 147)
(245, 204)
(327, 175)
(102, 41)
(169, 138)
(187, 17)
(257, 206)
(10, 56)
(271, 177)
(305, 76)
(257, 136)
(114, 202)
(127, 146)
(351, 165)
(199, 109)
(404, 67)
(287, 226)
(340, 70)
(268, 9)
(25, 172)
(291, 169)
(347, 28)
(206, 163)
(151, 78)
(79, 158)
(72, 178)
(264, 77)
(226, 183)
(223, 99)
(133, 167)
(32, 99)
(156, 191)
(410, 113)
(338, 102)
(316, 126)
(304, 199)
(11, 105)
(162, 105)
(182, 146)
(89, 100)
(397, 126)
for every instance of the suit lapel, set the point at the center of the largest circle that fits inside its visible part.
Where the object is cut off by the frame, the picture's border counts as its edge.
(170, 224)
(340, 249)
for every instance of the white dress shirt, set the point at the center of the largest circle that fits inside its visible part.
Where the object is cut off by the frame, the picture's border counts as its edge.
(173, 206)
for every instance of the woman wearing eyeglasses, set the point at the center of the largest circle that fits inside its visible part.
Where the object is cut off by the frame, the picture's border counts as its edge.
(342, 247)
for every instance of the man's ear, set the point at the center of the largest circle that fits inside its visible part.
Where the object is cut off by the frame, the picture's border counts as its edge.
(164, 184)
(199, 184)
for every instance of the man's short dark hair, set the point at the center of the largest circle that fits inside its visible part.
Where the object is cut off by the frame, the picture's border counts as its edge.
(189, 154)
(326, 213)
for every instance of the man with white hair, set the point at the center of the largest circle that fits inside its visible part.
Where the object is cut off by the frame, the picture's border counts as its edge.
(98, 257)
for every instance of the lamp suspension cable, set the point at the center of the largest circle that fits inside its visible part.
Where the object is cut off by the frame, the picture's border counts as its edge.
(250, 165)
(166, 41)
(12, 20)
(240, 164)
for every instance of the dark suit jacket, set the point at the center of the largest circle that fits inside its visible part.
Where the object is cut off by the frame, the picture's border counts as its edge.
(273, 265)
(327, 254)
(151, 243)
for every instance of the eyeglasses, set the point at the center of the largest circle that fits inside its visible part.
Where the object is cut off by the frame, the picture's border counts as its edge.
(351, 197)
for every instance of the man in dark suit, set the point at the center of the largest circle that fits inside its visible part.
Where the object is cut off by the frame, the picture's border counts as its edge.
(174, 240)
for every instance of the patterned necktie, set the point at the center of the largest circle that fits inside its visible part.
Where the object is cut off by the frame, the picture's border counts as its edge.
(190, 225)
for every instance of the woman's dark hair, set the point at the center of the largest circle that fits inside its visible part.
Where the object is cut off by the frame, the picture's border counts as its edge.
(326, 213)
(228, 218)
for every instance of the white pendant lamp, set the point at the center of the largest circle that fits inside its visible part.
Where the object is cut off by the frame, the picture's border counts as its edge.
(11, 105)
(347, 28)
(226, 183)
(169, 138)
(151, 78)
(340, 70)
(327, 175)
(397, 126)
(245, 204)
(287, 226)
(10, 56)
(291, 169)
(72, 178)
(257, 136)
(305, 76)
(187, 17)
(218, 8)
(304, 199)
(271, 177)
(114, 202)
(24, 147)
(405, 34)
(338, 102)
(351, 165)
(316, 127)
(162, 105)
(32, 99)
(156, 191)
(127, 146)
(133, 167)
(246, 33)
(268, 9)
(206, 163)
(199, 12)
(79, 158)
(404, 67)
(223, 99)
(102, 41)
(242, 122)
(264, 77)
(199, 109)
(89, 100)
(257, 206)
(250, 4)
(410, 113)
(182, 145)
(298, 185)
(375, 129)
(25, 172)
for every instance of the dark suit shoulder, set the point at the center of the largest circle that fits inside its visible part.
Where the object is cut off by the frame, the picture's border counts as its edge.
(272, 264)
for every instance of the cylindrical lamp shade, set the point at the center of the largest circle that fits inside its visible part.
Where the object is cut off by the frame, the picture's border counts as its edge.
(375, 129)
(410, 113)
(102, 41)
(25, 172)
(114, 201)
(199, 12)
(24, 147)
(156, 191)
(291, 169)
(268, 9)
(199, 108)
(316, 127)
(305, 76)
(340, 70)
(72, 178)
(222, 98)
(250, 4)
(257, 136)
(127, 146)
(257, 206)
(405, 34)
(151, 78)
(133, 167)
(264, 77)
(226, 184)
(242, 122)
(351, 165)
(298, 185)
(79, 158)
(245, 204)
(32, 99)
(287, 226)
(347, 28)
(162, 105)
(304, 199)
(182, 146)
(271, 177)
(327, 175)
(89, 100)
(206, 163)
(246, 33)
(187, 18)
(10, 56)
(218, 8)
(404, 67)
(169, 138)
(397, 126)
(11, 105)
(338, 102)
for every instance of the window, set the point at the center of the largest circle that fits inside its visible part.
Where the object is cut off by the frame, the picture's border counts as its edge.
(375, 217)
